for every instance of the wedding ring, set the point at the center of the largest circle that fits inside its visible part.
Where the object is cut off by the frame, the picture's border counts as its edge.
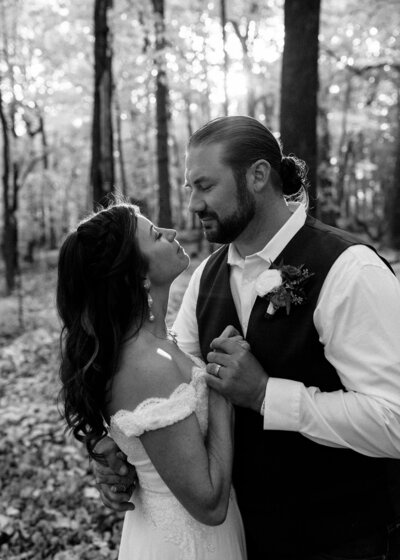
(218, 367)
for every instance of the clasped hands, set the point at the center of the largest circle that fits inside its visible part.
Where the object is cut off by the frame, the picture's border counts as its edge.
(231, 370)
(234, 372)
(115, 481)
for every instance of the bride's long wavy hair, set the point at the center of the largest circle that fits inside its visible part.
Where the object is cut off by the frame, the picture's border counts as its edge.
(100, 298)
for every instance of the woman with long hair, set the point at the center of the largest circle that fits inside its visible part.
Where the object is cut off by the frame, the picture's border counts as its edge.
(122, 373)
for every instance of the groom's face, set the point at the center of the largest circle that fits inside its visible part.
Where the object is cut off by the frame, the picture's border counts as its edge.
(224, 207)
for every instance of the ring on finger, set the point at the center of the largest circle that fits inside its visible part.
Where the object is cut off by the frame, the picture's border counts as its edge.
(217, 368)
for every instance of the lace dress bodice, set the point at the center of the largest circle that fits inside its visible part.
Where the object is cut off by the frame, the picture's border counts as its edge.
(153, 413)
(152, 496)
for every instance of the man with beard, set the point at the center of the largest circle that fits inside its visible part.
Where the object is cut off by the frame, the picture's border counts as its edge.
(317, 390)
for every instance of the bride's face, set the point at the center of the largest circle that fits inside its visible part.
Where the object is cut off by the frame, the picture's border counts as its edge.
(166, 257)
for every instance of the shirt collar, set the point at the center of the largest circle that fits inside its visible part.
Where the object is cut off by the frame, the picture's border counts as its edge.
(276, 245)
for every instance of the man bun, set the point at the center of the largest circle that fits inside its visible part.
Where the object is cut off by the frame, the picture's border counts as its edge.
(293, 175)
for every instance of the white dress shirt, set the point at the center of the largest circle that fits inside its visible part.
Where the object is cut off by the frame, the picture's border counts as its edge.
(357, 318)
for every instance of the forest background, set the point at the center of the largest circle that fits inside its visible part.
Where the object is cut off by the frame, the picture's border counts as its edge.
(101, 97)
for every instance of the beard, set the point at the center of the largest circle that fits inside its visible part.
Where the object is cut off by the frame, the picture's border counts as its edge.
(230, 227)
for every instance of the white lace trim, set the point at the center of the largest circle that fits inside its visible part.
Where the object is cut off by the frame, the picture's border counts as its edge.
(178, 527)
(164, 511)
(154, 413)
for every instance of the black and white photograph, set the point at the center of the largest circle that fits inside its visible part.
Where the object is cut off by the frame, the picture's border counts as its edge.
(200, 280)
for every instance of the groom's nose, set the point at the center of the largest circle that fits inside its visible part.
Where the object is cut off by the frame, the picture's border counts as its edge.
(196, 203)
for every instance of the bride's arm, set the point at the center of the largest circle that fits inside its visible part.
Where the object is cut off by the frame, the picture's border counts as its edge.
(197, 472)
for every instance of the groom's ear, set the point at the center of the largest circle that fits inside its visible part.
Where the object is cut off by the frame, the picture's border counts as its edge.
(258, 175)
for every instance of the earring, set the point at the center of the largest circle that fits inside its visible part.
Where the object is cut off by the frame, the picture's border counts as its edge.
(149, 299)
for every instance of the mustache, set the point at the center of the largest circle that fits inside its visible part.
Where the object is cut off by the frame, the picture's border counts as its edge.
(204, 215)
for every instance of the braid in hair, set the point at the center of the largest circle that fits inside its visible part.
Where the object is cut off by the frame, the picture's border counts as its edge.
(100, 296)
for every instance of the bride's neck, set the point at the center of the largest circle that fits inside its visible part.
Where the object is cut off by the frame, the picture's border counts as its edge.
(157, 326)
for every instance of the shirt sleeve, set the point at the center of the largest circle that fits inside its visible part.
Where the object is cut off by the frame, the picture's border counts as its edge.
(358, 321)
(185, 325)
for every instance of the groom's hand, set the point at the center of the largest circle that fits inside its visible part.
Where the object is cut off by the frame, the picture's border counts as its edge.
(116, 480)
(240, 377)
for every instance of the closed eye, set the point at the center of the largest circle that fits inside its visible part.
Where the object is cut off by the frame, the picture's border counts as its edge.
(157, 234)
(199, 185)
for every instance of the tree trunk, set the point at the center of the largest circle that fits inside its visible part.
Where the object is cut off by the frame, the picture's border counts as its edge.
(225, 52)
(102, 167)
(10, 227)
(251, 92)
(43, 137)
(342, 152)
(188, 113)
(346, 209)
(247, 67)
(395, 214)
(205, 98)
(164, 192)
(298, 120)
(121, 158)
(50, 187)
(328, 209)
(180, 219)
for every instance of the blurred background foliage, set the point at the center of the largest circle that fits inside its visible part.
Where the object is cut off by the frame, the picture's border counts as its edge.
(102, 96)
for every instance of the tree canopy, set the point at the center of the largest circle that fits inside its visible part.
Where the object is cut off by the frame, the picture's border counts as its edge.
(178, 76)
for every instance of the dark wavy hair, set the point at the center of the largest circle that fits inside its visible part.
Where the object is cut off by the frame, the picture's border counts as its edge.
(246, 140)
(100, 299)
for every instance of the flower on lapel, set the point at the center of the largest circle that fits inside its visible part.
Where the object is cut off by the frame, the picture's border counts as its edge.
(282, 285)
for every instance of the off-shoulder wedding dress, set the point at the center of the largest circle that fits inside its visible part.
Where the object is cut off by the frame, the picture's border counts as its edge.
(160, 528)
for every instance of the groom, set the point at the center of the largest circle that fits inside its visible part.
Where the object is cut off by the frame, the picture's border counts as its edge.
(318, 393)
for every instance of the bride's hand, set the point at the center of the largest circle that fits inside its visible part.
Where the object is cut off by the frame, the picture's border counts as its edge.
(232, 334)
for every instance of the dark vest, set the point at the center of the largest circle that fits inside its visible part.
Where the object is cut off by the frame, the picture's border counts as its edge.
(294, 494)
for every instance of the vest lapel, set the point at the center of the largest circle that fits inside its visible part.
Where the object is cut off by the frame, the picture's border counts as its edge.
(220, 307)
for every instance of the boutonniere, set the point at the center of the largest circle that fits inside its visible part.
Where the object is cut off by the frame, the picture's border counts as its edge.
(282, 286)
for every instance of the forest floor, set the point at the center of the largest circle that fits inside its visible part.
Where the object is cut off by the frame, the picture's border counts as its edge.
(50, 507)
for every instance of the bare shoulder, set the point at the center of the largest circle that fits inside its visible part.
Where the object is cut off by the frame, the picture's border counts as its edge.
(145, 371)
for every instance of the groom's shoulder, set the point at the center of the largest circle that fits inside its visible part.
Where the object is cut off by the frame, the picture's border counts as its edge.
(332, 233)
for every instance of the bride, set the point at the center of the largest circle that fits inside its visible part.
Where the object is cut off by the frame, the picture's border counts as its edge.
(123, 373)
